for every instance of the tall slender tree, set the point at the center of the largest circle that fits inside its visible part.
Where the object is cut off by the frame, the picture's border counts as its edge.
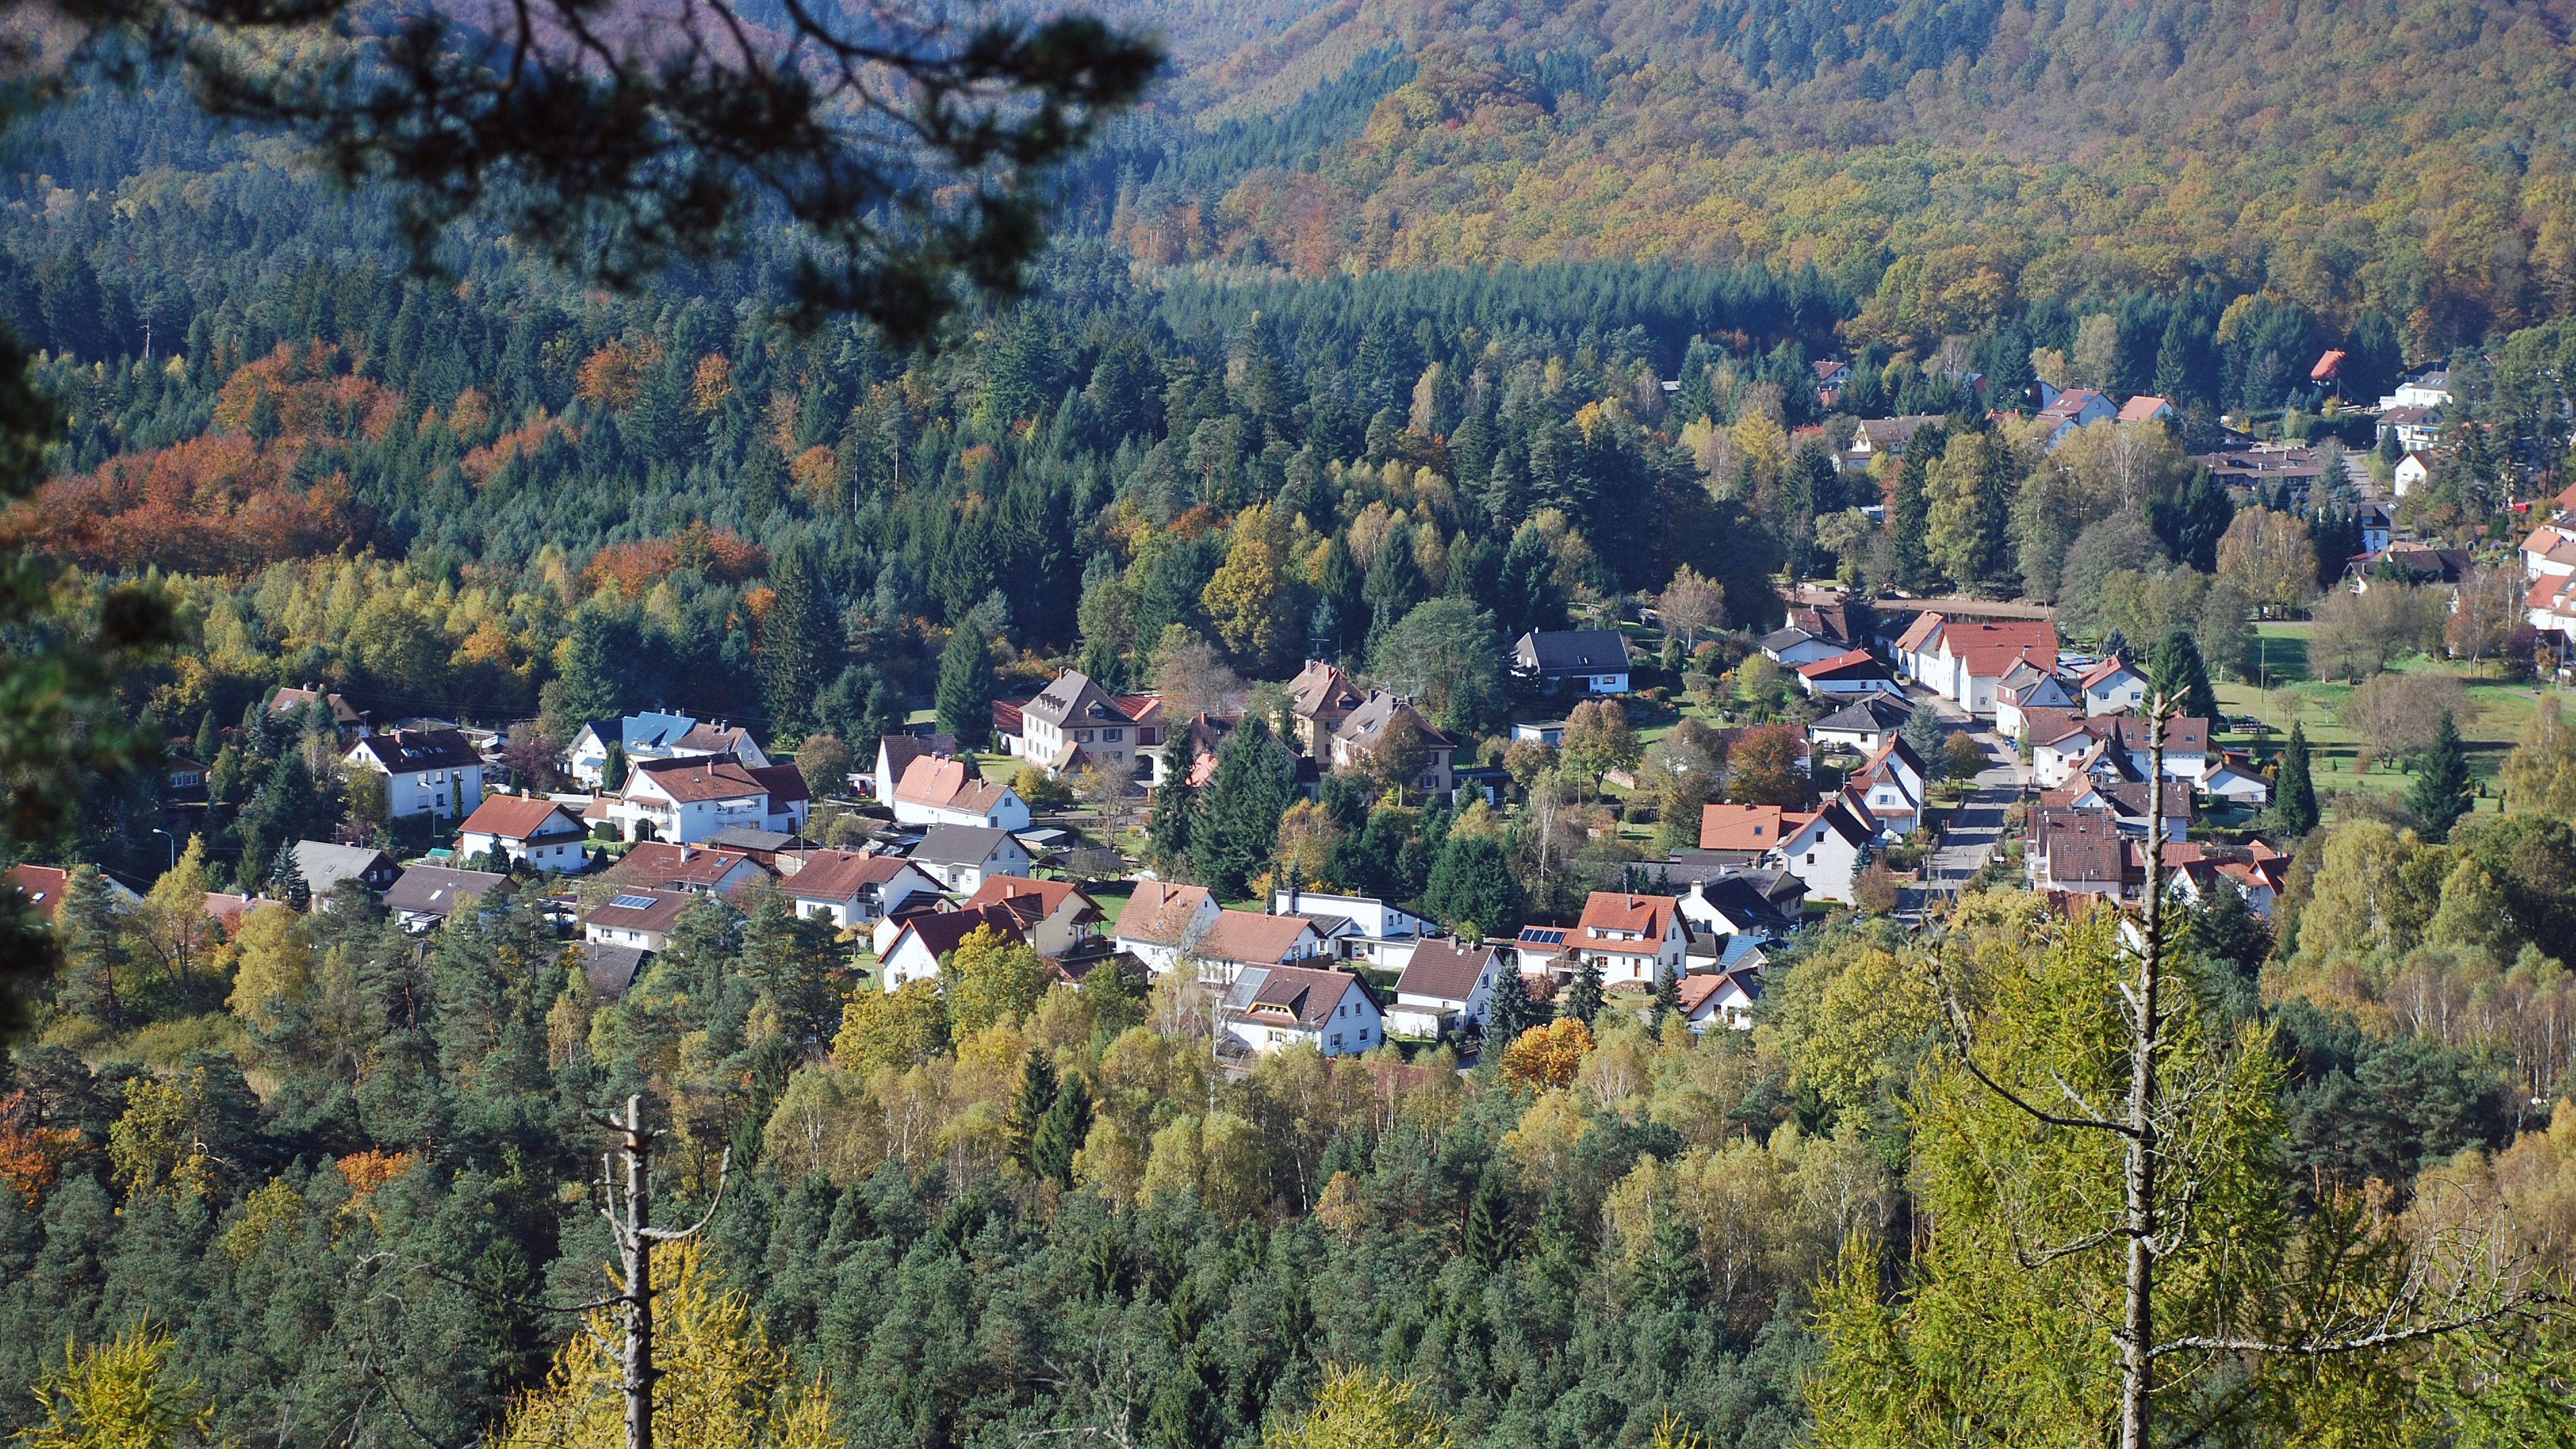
(2294, 795)
(2441, 792)
(800, 642)
(966, 687)
(2180, 675)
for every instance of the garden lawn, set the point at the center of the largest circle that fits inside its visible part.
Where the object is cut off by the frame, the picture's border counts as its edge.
(2500, 709)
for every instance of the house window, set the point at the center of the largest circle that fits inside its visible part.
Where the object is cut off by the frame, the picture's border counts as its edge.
(1113, 734)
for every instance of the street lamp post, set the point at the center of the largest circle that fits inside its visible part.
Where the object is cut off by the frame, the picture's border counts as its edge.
(174, 845)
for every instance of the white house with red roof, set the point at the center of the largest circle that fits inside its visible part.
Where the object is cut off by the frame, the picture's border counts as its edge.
(918, 944)
(1967, 660)
(661, 865)
(1163, 920)
(1633, 938)
(2027, 686)
(530, 830)
(855, 890)
(1891, 788)
(1720, 998)
(1848, 675)
(2074, 408)
(2146, 407)
(1057, 917)
(687, 800)
(943, 790)
(2112, 685)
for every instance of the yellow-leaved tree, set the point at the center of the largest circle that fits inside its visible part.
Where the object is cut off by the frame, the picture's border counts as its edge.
(722, 1385)
(116, 1395)
(1356, 1409)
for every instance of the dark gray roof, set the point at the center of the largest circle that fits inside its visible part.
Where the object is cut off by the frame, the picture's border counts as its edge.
(1572, 651)
(959, 844)
(403, 751)
(325, 865)
(744, 837)
(435, 890)
(1871, 713)
(609, 970)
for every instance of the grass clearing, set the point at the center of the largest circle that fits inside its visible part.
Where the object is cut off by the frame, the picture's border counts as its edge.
(2500, 710)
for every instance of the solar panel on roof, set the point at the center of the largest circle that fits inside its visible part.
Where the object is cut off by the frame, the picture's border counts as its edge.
(633, 903)
(1542, 935)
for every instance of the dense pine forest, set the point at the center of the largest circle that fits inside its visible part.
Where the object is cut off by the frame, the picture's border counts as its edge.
(1379, 338)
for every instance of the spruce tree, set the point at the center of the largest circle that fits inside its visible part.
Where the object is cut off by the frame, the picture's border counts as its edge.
(1238, 819)
(1510, 1011)
(1029, 1107)
(1487, 1238)
(2181, 677)
(1668, 994)
(966, 688)
(1173, 822)
(1472, 884)
(1064, 1128)
(2294, 797)
(800, 643)
(286, 877)
(1910, 511)
(1922, 731)
(1583, 999)
(2441, 793)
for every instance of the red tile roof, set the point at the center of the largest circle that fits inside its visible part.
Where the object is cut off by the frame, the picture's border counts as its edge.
(520, 817)
(1747, 827)
(1251, 938)
(1606, 912)
(702, 778)
(661, 865)
(838, 875)
(1050, 895)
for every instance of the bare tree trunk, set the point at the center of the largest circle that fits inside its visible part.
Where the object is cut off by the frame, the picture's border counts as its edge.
(635, 1246)
(2137, 1339)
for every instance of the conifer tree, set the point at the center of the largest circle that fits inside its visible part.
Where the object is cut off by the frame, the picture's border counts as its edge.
(1583, 998)
(1668, 994)
(1910, 511)
(2441, 792)
(966, 688)
(1238, 818)
(1510, 1012)
(2294, 798)
(1029, 1107)
(800, 643)
(1065, 1127)
(2179, 675)
(1171, 826)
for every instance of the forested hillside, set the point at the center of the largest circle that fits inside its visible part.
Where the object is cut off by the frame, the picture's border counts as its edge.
(1952, 161)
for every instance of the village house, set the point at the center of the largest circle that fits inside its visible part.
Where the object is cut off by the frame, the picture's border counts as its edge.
(324, 865)
(637, 917)
(1632, 938)
(1357, 737)
(436, 773)
(1965, 661)
(923, 938)
(2064, 411)
(855, 890)
(1889, 435)
(662, 866)
(2112, 685)
(960, 857)
(1074, 724)
(688, 800)
(2027, 686)
(424, 896)
(1319, 699)
(1826, 850)
(1854, 673)
(2410, 473)
(1746, 834)
(941, 790)
(1163, 921)
(1862, 726)
(1720, 998)
(2417, 427)
(1055, 917)
(534, 832)
(1445, 987)
(346, 720)
(1791, 647)
(1272, 1008)
(1586, 661)
(654, 736)
(1763, 904)
(895, 754)
(2082, 852)
(2126, 804)
(1360, 928)
(1891, 787)
(1236, 940)
(2146, 407)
